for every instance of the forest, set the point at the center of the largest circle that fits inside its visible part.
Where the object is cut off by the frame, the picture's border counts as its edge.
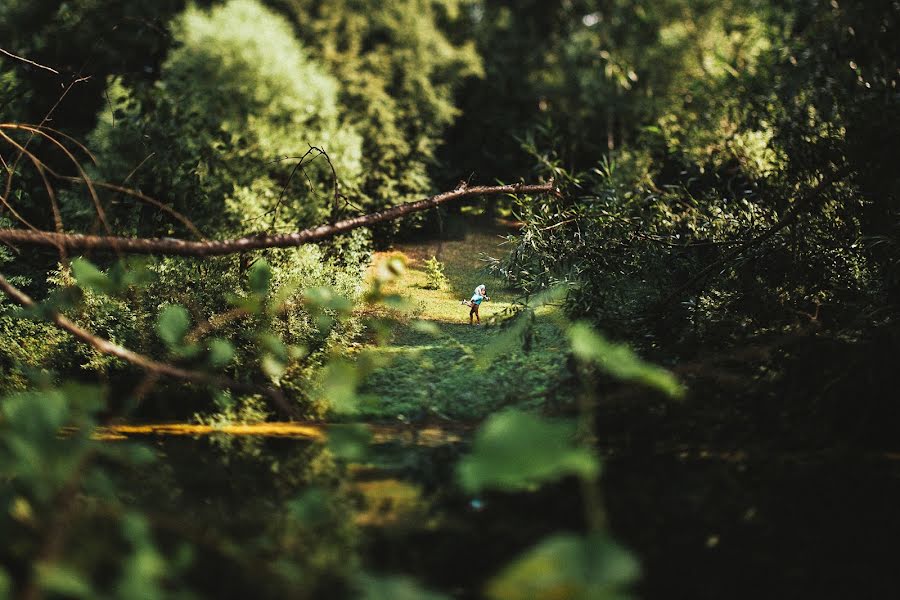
(240, 353)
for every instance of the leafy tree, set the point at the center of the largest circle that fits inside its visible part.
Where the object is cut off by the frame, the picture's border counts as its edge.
(398, 67)
(213, 136)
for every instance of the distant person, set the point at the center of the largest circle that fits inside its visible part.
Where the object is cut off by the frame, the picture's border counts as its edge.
(478, 297)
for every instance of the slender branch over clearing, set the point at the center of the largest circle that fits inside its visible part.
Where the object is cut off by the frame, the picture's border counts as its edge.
(171, 246)
(30, 62)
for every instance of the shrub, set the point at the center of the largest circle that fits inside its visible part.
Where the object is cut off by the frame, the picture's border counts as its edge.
(435, 279)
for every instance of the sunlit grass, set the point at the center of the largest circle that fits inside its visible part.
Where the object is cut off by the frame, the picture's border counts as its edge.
(465, 270)
(437, 375)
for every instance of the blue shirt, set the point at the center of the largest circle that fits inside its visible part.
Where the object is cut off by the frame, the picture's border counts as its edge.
(477, 298)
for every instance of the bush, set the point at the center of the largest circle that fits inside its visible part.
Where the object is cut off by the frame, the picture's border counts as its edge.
(435, 279)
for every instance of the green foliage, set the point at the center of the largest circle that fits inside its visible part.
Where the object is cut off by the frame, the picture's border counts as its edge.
(230, 106)
(399, 63)
(568, 566)
(515, 450)
(243, 410)
(619, 361)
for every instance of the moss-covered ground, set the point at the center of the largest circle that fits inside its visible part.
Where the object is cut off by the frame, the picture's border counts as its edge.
(433, 371)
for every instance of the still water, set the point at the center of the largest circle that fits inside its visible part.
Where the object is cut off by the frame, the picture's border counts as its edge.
(703, 523)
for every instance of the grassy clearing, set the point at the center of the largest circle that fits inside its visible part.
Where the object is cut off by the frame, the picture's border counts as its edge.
(436, 375)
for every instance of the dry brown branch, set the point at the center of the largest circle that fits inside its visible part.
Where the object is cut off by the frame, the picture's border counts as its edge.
(51, 193)
(143, 198)
(68, 138)
(11, 169)
(170, 246)
(43, 168)
(101, 214)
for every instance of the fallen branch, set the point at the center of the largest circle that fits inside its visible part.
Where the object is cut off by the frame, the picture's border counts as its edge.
(171, 246)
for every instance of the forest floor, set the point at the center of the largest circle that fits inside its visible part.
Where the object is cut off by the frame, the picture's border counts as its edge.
(433, 371)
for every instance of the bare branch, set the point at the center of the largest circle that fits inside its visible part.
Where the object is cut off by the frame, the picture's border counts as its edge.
(43, 168)
(171, 246)
(30, 62)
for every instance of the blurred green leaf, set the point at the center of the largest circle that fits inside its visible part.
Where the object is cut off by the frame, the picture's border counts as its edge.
(220, 352)
(272, 343)
(350, 442)
(173, 324)
(312, 507)
(394, 588)
(63, 580)
(89, 277)
(619, 361)
(260, 277)
(251, 304)
(272, 366)
(515, 450)
(427, 327)
(338, 387)
(129, 272)
(5, 584)
(568, 566)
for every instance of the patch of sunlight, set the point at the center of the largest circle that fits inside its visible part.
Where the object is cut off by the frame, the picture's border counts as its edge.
(292, 430)
(428, 436)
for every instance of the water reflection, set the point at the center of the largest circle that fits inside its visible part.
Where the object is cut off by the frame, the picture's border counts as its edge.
(704, 522)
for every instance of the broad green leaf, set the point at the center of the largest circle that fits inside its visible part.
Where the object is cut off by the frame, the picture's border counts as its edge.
(515, 450)
(283, 296)
(390, 269)
(5, 584)
(90, 277)
(251, 303)
(260, 277)
(324, 298)
(129, 272)
(394, 588)
(63, 580)
(35, 414)
(173, 324)
(220, 352)
(507, 341)
(87, 398)
(338, 387)
(427, 327)
(568, 566)
(273, 344)
(349, 442)
(312, 507)
(272, 366)
(619, 361)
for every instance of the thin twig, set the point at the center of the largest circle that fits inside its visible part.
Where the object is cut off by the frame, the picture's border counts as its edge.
(30, 62)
